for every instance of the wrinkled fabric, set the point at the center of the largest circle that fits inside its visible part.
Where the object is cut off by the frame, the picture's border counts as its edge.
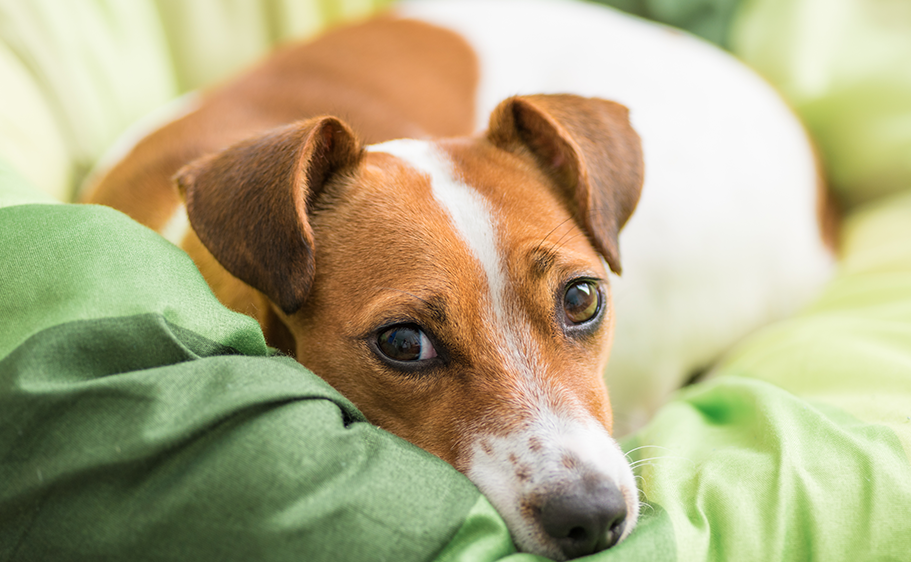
(141, 420)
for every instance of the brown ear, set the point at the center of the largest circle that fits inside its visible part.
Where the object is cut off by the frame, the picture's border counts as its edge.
(249, 203)
(590, 150)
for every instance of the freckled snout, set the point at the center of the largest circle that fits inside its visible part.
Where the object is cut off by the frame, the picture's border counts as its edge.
(587, 516)
(562, 484)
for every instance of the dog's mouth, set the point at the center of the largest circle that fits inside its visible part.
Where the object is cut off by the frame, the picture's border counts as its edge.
(564, 488)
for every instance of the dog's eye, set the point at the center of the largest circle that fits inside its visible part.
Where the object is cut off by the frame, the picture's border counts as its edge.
(581, 301)
(405, 342)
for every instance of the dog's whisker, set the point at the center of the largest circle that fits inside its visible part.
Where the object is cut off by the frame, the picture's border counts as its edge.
(649, 461)
(644, 497)
(631, 451)
(562, 236)
(546, 236)
(568, 240)
(425, 301)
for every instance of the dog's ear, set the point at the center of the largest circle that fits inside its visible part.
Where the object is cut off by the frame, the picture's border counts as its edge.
(249, 203)
(589, 149)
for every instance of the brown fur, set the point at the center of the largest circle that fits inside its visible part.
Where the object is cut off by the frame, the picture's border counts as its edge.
(590, 149)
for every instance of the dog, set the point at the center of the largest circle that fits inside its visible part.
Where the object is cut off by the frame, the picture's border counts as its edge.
(425, 210)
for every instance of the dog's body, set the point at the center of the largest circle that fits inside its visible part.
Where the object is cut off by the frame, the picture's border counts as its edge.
(726, 237)
(456, 290)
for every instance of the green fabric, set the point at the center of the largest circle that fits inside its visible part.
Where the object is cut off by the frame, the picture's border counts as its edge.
(748, 471)
(844, 66)
(483, 536)
(857, 335)
(709, 19)
(64, 264)
(133, 428)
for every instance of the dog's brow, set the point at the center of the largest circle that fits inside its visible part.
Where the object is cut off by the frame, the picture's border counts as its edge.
(554, 229)
(434, 307)
(437, 310)
(542, 260)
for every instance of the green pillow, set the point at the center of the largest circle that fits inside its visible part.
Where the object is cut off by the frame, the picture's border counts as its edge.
(844, 67)
(142, 420)
(76, 74)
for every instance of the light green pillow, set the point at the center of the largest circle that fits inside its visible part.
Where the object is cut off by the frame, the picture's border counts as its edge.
(844, 66)
(76, 74)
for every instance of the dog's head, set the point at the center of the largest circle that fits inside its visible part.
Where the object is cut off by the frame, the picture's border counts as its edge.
(455, 290)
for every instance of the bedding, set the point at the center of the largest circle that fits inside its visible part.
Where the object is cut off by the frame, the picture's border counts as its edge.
(141, 420)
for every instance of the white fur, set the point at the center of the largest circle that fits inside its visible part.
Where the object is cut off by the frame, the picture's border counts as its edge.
(472, 218)
(175, 230)
(469, 212)
(725, 236)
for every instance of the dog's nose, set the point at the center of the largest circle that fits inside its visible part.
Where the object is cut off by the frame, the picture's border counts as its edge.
(586, 518)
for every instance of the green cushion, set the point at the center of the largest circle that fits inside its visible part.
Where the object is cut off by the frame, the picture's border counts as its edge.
(843, 65)
(141, 420)
(76, 74)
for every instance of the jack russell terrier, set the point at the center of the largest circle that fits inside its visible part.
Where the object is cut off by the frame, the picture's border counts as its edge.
(453, 283)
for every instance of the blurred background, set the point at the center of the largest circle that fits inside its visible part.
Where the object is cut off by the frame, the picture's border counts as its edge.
(76, 74)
